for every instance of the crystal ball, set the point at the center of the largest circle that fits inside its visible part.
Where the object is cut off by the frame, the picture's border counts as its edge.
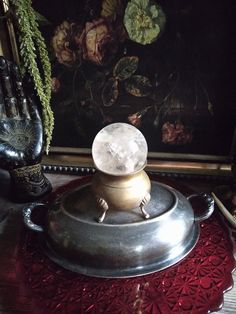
(119, 149)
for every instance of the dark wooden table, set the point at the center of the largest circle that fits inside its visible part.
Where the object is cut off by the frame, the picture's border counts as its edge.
(12, 225)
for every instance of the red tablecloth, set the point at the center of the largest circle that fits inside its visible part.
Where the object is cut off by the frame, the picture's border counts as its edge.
(195, 285)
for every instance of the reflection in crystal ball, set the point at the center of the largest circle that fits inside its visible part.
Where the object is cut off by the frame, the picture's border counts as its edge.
(119, 149)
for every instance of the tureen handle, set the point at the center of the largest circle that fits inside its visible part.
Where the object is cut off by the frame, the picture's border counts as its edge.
(27, 217)
(208, 200)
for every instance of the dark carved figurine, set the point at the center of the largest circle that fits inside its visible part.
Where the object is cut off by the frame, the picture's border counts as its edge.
(21, 135)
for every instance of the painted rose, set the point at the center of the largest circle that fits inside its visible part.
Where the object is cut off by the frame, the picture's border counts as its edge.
(176, 134)
(98, 41)
(62, 42)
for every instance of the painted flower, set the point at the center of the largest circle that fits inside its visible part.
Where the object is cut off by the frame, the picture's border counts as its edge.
(135, 119)
(55, 85)
(98, 41)
(143, 20)
(63, 41)
(176, 134)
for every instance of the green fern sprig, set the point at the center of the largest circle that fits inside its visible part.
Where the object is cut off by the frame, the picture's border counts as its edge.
(32, 47)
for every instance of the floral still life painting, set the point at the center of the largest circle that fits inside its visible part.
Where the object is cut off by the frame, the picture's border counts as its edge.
(165, 67)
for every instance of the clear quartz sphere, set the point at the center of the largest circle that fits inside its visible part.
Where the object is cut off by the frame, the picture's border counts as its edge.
(119, 149)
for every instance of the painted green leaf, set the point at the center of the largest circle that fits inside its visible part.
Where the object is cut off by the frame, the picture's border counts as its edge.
(125, 67)
(110, 92)
(138, 86)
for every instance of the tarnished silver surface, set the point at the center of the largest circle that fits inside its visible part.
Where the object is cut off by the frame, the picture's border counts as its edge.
(121, 272)
(124, 245)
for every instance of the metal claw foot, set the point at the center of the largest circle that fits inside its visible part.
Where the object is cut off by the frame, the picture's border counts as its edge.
(144, 202)
(103, 206)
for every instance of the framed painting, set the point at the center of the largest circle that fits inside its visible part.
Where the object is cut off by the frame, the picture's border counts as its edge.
(166, 67)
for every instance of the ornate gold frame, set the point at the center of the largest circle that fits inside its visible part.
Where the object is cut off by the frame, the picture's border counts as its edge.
(69, 159)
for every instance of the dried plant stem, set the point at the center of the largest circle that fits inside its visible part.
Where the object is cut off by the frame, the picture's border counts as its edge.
(33, 48)
(224, 210)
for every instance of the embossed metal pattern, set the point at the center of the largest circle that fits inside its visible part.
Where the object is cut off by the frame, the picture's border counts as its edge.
(195, 285)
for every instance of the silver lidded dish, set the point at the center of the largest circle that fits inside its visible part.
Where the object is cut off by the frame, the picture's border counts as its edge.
(89, 231)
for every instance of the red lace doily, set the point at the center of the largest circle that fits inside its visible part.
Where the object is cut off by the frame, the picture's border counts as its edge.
(195, 285)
